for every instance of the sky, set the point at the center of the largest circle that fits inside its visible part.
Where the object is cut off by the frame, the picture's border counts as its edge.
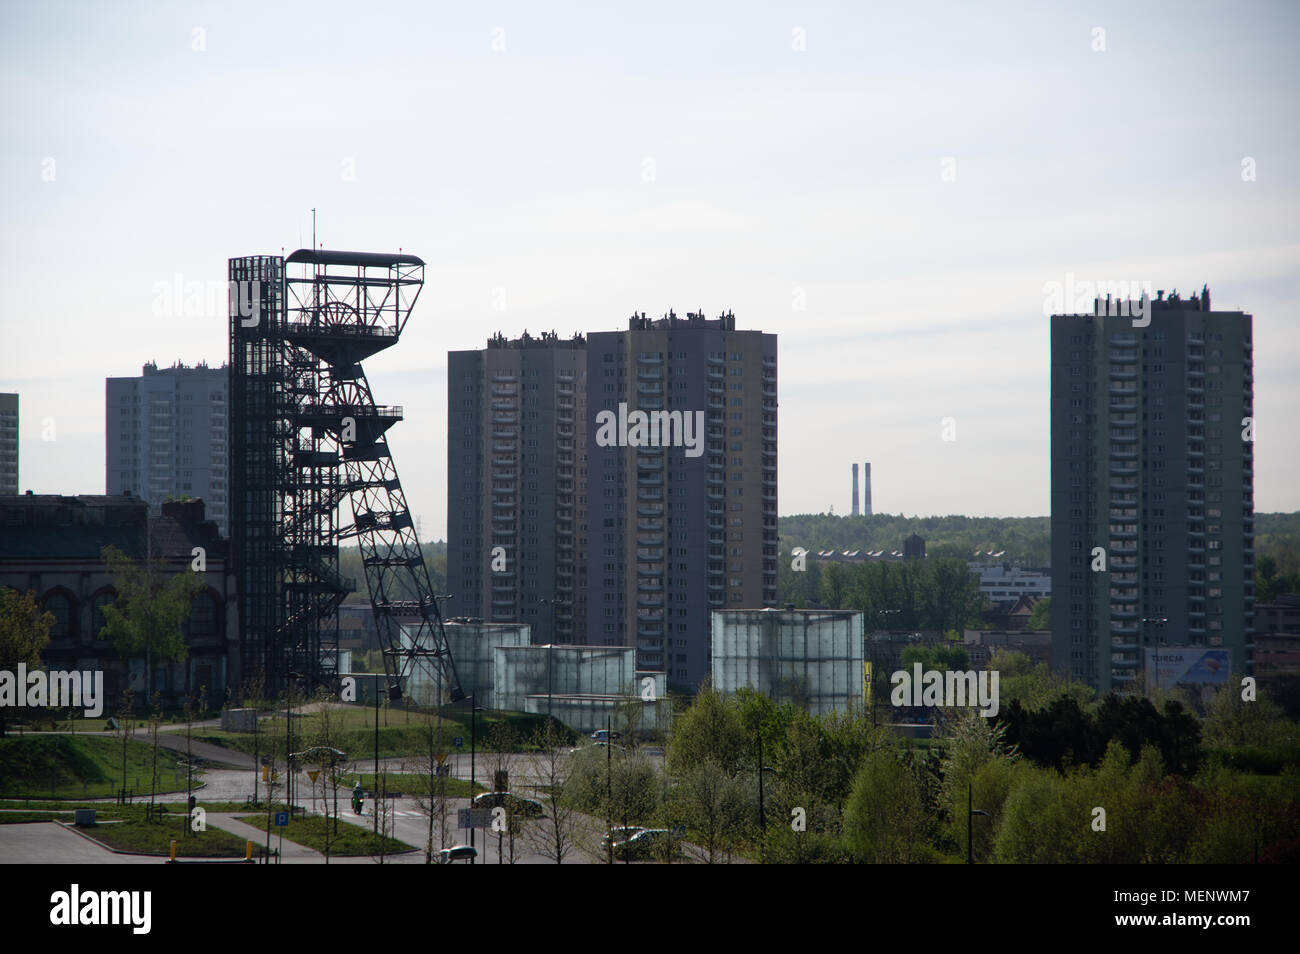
(889, 188)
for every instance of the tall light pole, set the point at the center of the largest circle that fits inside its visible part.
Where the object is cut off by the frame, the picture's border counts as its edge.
(970, 821)
(1146, 676)
(550, 649)
(473, 741)
(883, 616)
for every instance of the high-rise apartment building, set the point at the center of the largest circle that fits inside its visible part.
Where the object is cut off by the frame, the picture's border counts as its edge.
(8, 444)
(1152, 487)
(681, 485)
(516, 474)
(165, 435)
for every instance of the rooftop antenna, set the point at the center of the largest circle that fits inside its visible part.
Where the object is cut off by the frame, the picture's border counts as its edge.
(313, 228)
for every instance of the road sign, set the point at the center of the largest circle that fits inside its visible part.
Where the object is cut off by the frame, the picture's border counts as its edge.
(312, 775)
(281, 819)
(473, 817)
(458, 741)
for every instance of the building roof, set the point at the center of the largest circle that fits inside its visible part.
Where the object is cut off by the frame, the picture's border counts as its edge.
(328, 257)
(43, 527)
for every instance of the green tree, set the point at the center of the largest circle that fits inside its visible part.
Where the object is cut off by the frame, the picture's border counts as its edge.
(710, 730)
(717, 806)
(885, 817)
(24, 632)
(149, 610)
(1041, 617)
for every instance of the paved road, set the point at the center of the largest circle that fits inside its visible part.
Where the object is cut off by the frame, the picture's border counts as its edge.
(41, 843)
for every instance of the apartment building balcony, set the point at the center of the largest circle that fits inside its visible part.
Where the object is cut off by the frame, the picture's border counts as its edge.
(503, 376)
(1124, 628)
(1122, 357)
(649, 495)
(650, 510)
(1123, 644)
(649, 359)
(1122, 374)
(1123, 614)
(500, 418)
(650, 479)
(649, 387)
(1123, 453)
(650, 554)
(1123, 437)
(1118, 469)
(768, 481)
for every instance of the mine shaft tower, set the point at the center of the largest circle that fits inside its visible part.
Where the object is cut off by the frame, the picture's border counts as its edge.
(305, 433)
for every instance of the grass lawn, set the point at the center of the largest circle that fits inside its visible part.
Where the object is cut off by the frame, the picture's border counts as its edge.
(21, 817)
(401, 731)
(82, 766)
(310, 831)
(126, 829)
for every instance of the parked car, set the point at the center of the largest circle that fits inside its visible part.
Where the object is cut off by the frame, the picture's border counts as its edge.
(619, 835)
(515, 804)
(648, 843)
(462, 853)
(604, 735)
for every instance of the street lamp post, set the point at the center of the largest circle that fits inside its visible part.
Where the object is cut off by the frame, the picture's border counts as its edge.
(970, 821)
(882, 614)
(554, 602)
(1146, 675)
(473, 742)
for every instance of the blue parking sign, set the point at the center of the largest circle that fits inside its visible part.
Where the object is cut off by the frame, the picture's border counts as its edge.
(458, 741)
(281, 819)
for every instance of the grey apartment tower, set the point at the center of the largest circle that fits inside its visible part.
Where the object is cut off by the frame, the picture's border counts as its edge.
(516, 484)
(165, 435)
(1152, 487)
(682, 523)
(8, 444)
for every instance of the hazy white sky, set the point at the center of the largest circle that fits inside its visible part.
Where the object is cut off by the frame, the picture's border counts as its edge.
(578, 162)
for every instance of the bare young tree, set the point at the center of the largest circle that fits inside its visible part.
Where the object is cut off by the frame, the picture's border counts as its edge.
(433, 801)
(555, 834)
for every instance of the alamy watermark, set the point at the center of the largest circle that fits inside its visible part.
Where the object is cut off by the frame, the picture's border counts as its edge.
(55, 689)
(946, 688)
(651, 429)
(1114, 299)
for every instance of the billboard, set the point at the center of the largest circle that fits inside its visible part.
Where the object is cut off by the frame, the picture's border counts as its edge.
(1169, 666)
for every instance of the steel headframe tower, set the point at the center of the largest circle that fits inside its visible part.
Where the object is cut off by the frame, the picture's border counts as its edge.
(305, 432)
